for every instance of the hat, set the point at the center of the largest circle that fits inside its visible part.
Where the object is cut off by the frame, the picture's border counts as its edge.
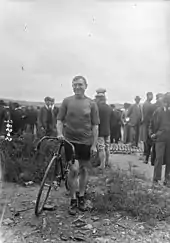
(137, 98)
(47, 99)
(159, 95)
(101, 90)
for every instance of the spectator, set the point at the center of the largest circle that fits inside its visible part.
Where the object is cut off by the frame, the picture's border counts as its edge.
(46, 119)
(135, 116)
(147, 112)
(160, 132)
(105, 113)
(115, 134)
(125, 121)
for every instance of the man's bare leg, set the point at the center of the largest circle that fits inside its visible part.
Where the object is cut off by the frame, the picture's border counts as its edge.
(107, 150)
(72, 184)
(107, 156)
(102, 157)
(83, 179)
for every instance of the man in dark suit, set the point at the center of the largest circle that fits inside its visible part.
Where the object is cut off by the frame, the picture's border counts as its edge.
(160, 132)
(47, 118)
(158, 104)
(115, 135)
(147, 112)
(135, 117)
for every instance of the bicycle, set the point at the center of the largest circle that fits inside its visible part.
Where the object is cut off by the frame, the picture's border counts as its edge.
(59, 172)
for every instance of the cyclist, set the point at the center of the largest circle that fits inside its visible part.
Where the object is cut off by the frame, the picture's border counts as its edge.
(80, 117)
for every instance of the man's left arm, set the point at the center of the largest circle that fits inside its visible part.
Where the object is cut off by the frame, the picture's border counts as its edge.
(95, 123)
(95, 131)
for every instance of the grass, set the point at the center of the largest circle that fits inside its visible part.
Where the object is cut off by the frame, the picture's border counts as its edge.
(21, 163)
(129, 192)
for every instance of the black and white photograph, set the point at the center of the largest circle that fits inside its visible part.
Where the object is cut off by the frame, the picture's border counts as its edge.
(85, 121)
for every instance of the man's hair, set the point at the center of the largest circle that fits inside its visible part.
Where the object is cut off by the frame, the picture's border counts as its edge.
(76, 78)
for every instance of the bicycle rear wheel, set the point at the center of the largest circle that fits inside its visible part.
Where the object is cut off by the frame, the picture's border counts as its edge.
(46, 185)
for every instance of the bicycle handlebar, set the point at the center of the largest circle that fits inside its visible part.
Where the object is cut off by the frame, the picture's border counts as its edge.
(55, 138)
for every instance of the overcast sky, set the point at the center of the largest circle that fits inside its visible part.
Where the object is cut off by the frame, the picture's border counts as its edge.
(119, 45)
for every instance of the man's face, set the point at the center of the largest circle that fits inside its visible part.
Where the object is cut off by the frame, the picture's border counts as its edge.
(137, 101)
(47, 102)
(51, 103)
(79, 87)
(150, 97)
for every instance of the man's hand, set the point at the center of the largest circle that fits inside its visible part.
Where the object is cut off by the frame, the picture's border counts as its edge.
(93, 151)
(60, 137)
(153, 136)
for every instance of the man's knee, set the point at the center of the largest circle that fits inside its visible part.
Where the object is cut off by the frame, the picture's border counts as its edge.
(101, 144)
(84, 166)
(74, 169)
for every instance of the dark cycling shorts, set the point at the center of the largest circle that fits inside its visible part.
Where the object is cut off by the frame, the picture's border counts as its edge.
(82, 151)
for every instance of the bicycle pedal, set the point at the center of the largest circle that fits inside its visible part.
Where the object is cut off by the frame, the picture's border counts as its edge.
(49, 207)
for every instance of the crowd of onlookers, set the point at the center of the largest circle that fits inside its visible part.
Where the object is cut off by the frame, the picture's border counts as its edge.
(148, 123)
(42, 120)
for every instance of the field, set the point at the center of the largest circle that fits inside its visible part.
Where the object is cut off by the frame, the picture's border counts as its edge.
(123, 205)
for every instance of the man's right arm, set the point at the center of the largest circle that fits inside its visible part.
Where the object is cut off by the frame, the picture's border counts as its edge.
(59, 128)
(61, 117)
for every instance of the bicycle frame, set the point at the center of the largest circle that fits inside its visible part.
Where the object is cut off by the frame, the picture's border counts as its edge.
(57, 156)
(61, 145)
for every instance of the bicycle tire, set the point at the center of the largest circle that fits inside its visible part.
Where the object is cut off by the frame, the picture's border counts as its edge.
(37, 210)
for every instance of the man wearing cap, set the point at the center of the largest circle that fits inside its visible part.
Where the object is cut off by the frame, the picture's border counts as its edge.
(160, 133)
(80, 116)
(105, 112)
(46, 118)
(135, 116)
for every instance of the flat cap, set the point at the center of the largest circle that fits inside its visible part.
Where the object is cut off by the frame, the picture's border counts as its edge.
(101, 90)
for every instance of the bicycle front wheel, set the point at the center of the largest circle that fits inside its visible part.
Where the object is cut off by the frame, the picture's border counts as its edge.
(45, 187)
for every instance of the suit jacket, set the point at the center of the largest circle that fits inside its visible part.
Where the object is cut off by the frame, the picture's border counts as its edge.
(43, 118)
(135, 114)
(160, 125)
(115, 119)
(147, 111)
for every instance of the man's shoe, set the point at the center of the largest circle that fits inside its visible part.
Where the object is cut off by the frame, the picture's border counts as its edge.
(157, 183)
(73, 207)
(166, 183)
(81, 204)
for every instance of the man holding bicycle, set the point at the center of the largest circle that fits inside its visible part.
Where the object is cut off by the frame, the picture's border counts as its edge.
(80, 117)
